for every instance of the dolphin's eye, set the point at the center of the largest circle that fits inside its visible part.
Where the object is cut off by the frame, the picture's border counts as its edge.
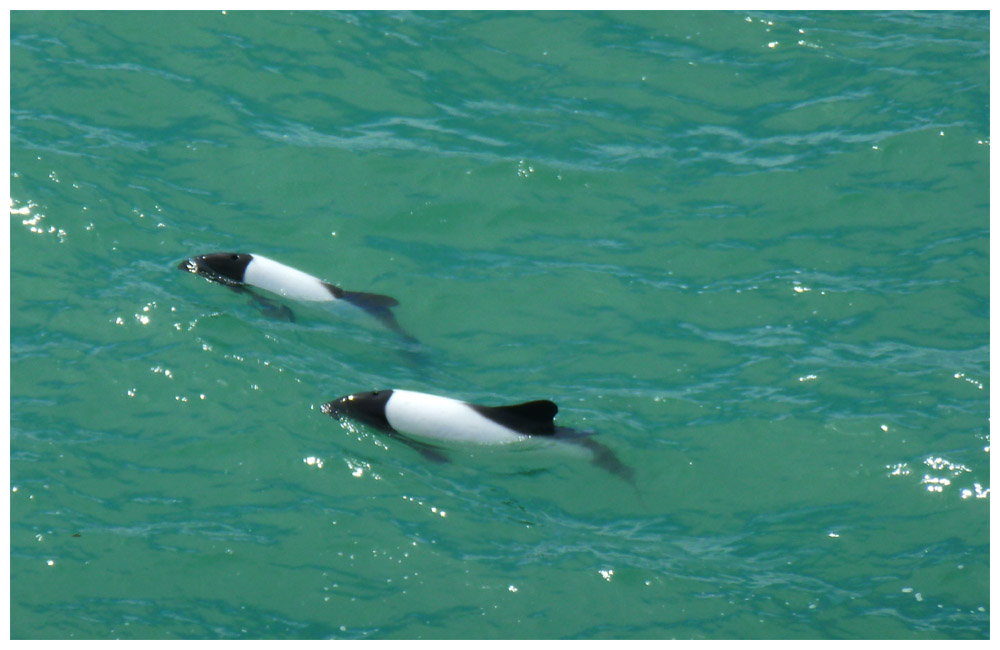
(375, 393)
(235, 257)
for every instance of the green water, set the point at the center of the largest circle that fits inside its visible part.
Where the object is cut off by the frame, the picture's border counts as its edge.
(748, 250)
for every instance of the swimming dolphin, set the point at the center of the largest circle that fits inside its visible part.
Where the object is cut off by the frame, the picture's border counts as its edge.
(404, 413)
(240, 271)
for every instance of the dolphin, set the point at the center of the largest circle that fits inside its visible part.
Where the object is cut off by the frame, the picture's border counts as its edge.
(421, 419)
(243, 271)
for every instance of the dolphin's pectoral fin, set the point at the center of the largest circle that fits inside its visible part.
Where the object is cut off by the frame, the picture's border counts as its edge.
(430, 452)
(268, 307)
(376, 305)
(529, 418)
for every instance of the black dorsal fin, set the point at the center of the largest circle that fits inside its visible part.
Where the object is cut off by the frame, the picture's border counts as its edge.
(530, 418)
(334, 290)
(362, 299)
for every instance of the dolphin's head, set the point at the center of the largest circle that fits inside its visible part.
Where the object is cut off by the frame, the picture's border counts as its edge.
(364, 407)
(224, 268)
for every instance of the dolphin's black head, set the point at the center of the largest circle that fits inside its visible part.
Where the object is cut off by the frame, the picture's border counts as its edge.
(364, 407)
(226, 268)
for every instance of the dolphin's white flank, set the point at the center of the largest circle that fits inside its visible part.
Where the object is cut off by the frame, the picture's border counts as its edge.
(286, 281)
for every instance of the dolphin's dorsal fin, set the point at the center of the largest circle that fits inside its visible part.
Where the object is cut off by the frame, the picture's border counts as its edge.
(334, 290)
(367, 301)
(530, 418)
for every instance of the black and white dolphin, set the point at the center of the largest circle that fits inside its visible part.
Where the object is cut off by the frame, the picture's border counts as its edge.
(403, 413)
(240, 271)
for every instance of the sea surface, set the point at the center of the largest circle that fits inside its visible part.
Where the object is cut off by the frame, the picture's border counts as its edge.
(749, 252)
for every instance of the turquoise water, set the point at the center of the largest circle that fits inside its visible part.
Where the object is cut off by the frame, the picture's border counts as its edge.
(748, 250)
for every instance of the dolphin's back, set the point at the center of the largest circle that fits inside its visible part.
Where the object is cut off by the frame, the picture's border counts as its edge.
(275, 277)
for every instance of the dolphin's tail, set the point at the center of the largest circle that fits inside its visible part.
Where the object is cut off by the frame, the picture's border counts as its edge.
(604, 457)
(380, 307)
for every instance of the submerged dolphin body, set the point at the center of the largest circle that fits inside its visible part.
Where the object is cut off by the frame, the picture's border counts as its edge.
(242, 271)
(403, 413)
